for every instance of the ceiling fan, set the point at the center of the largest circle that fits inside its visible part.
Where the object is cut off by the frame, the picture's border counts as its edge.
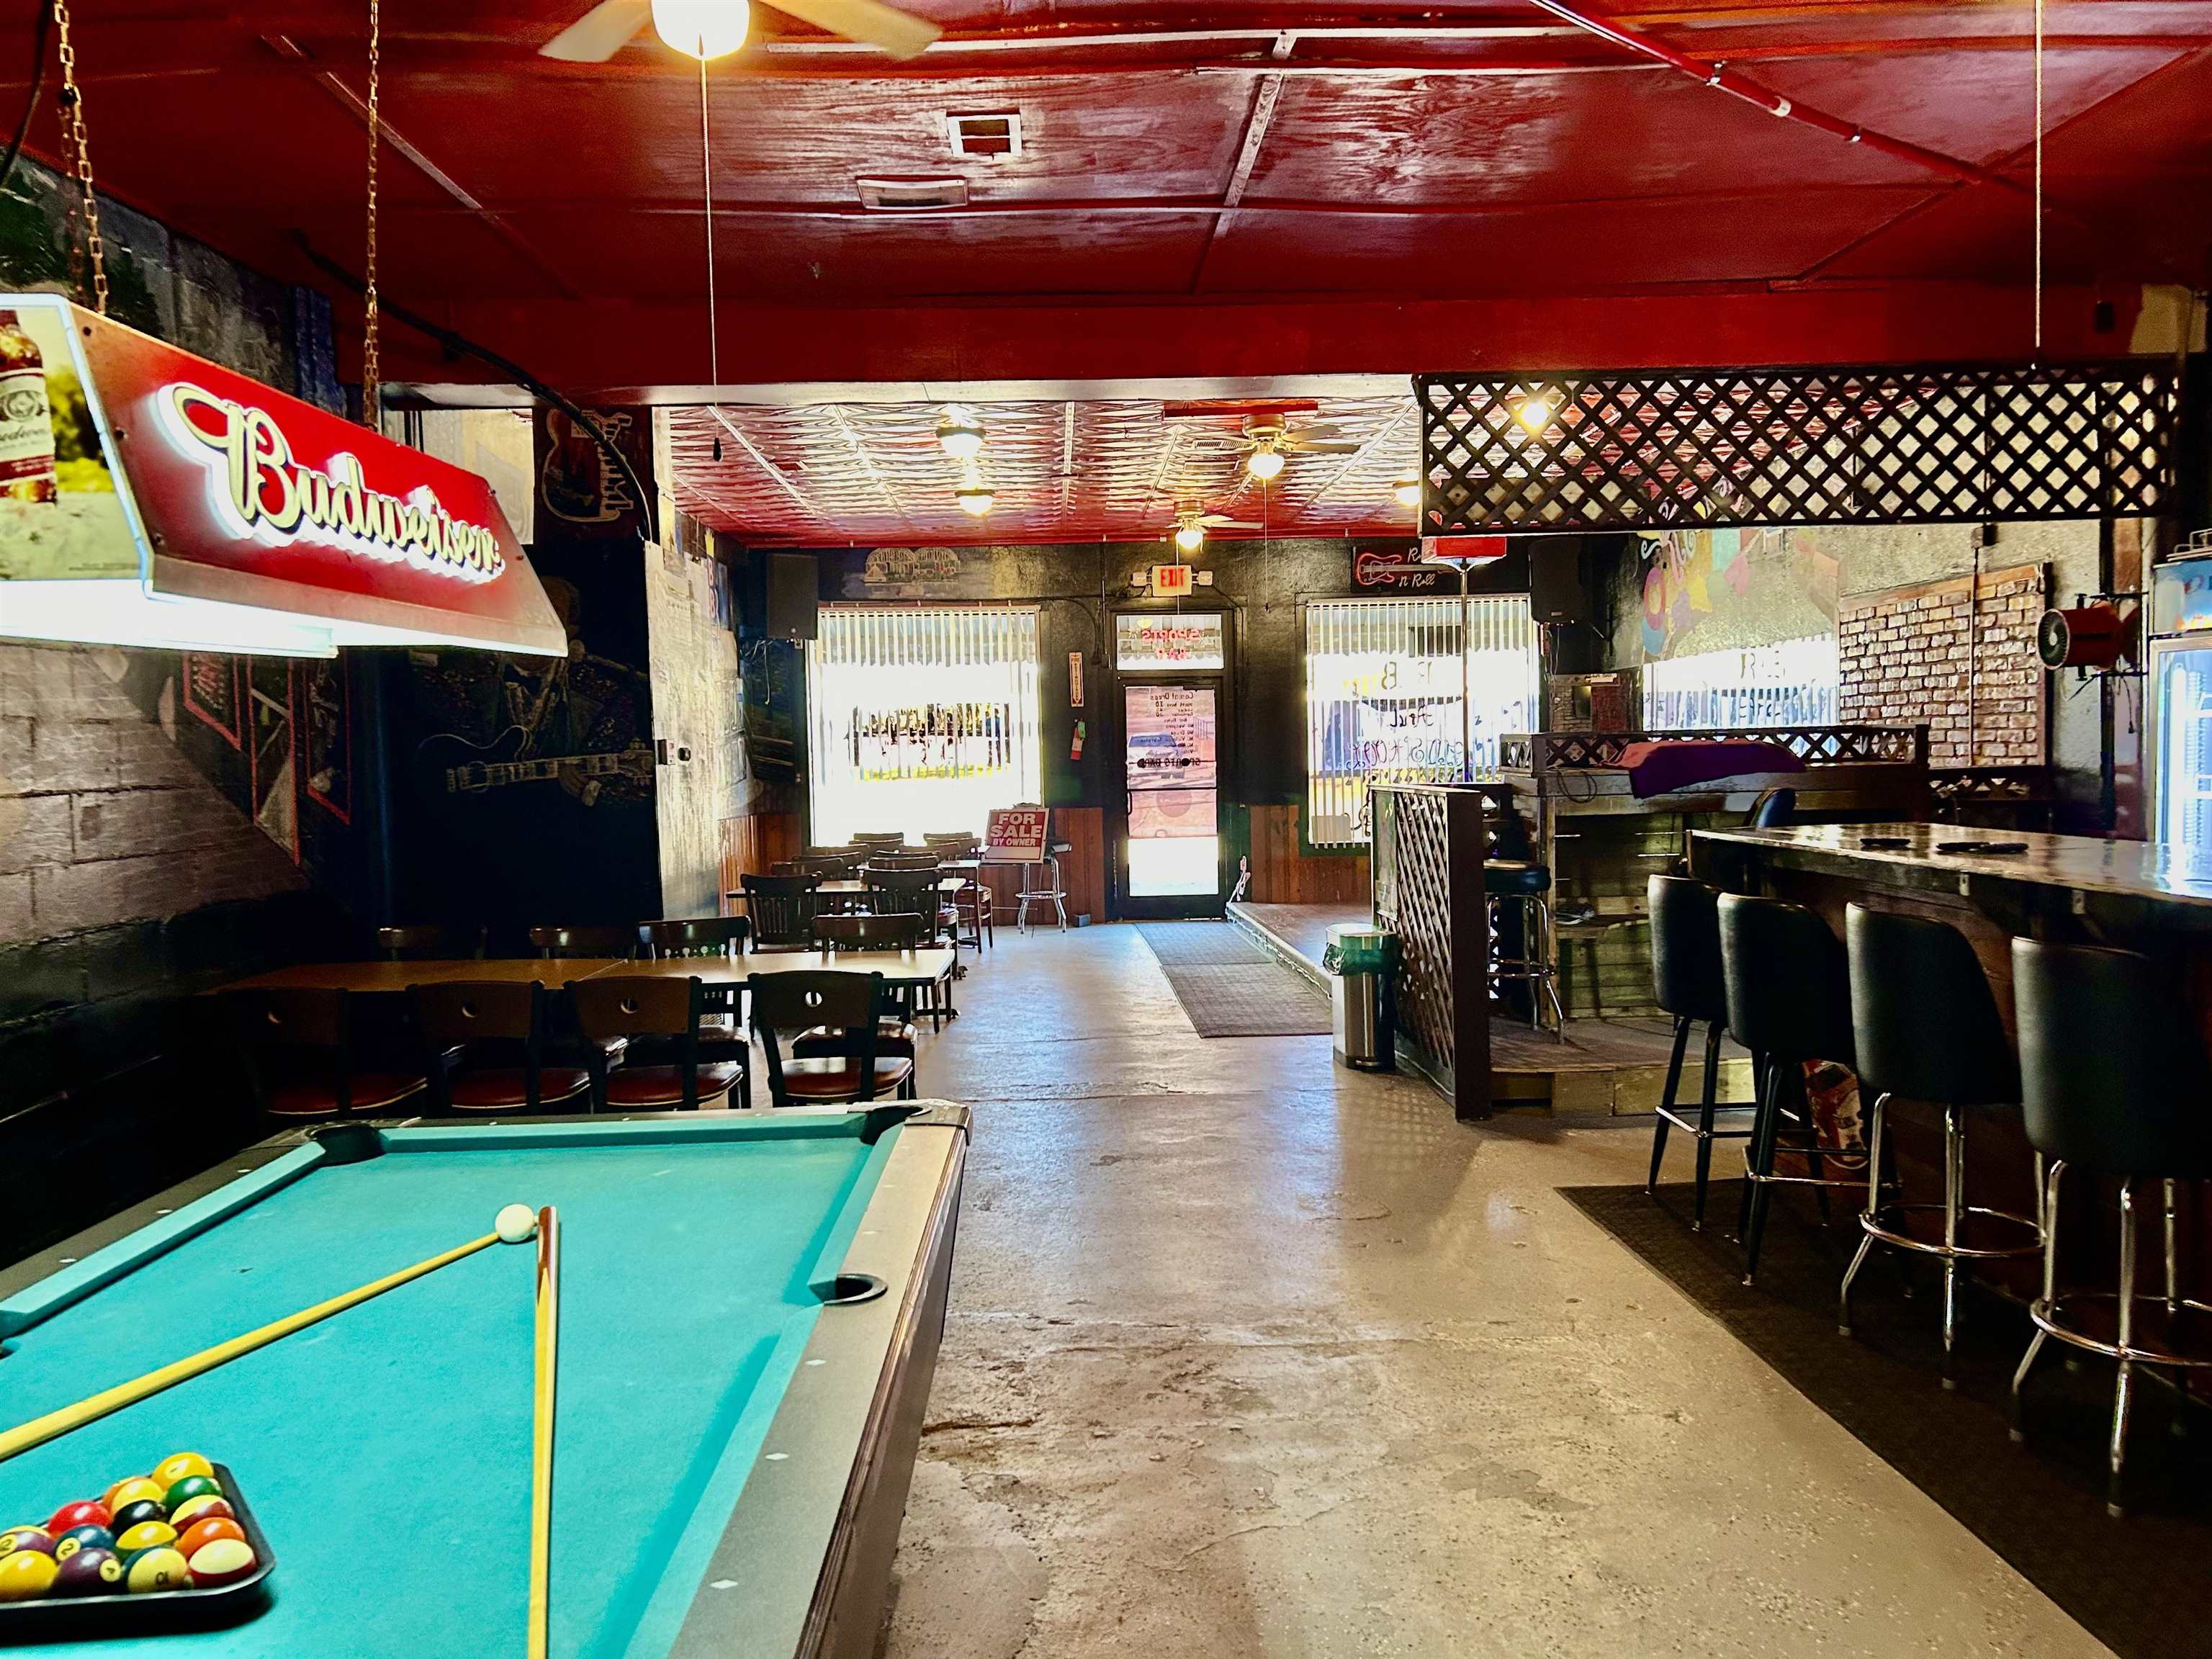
(1192, 523)
(1267, 440)
(710, 28)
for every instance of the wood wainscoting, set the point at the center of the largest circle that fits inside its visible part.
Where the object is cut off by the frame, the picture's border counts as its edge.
(1282, 874)
(754, 842)
(1082, 868)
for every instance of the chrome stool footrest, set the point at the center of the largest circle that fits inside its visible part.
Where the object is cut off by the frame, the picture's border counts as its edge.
(1878, 1224)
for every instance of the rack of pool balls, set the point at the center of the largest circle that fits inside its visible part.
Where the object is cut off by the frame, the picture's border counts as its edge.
(174, 1529)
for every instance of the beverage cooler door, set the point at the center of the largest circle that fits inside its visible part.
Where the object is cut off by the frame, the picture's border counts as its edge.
(2183, 712)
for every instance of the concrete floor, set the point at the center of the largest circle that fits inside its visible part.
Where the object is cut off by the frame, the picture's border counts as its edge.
(1251, 1355)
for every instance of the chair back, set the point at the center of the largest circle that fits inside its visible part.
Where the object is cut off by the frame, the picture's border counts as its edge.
(699, 936)
(429, 941)
(298, 1021)
(2113, 1072)
(843, 1005)
(782, 909)
(637, 1005)
(929, 861)
(593, 941)
(893, 931)
(1775, 810)
(958, 844)
(1923, 1018)
(1789, 992)
(874, 839)
(1685, 948)
(472, 1015)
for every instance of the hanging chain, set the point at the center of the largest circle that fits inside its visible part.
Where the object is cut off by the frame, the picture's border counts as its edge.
(372, 364)
(73, 123)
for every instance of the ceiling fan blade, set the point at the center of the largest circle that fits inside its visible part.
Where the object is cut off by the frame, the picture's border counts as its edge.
(1215, 522)
(869, 22)
(1304, 448)
(1315, 429)
(600, 32)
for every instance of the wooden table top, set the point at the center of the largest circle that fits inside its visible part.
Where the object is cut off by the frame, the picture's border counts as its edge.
(2088, 863)
(845, 887)
(899, 967)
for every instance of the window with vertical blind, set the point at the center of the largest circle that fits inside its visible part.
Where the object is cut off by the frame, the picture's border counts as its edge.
(922, 718)
(1791, 683)
(1414, 690)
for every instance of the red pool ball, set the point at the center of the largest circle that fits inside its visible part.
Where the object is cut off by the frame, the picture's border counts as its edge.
(223, 1561)
(85, 1512)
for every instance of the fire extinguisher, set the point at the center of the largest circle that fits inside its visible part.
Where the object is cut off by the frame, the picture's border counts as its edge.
(1075, 745)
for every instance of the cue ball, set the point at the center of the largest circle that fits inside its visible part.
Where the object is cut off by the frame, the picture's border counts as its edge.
(516, 1224)
(160, 1568)
(26, 1575)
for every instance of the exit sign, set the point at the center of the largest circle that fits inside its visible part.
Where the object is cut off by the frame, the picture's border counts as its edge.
(1171, 581)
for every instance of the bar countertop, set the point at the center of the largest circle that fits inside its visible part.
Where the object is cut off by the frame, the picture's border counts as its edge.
(1931, 854)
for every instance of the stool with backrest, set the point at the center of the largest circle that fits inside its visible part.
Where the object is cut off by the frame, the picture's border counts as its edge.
(430, 942)
(844, 1008)
(2114, 1083)
(659, 1015)
(1927, 1029)
(721, 1031)
(1686, 983)
(299, 1051)
(487, 1040)
(1789, 1002)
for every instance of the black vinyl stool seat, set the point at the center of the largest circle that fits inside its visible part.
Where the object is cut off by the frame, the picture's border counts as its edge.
(1928, 1029)
(2114, 1082)
(1686, 983)
(1517, 881)
(1788, 1002)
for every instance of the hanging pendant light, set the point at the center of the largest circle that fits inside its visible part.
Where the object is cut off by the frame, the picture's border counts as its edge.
(704, 30)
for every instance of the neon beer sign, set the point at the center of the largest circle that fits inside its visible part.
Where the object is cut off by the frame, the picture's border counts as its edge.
(259, 492)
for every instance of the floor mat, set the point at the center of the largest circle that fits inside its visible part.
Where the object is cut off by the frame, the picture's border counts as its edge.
(1229, 987)
(2135, 1583)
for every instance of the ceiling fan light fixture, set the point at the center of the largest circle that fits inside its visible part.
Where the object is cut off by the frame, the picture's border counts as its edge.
(1407, 490)
(974, 500)
(1534, 411)
(705, 29)
(961, 436)
(1264, 463)
(1189, 538)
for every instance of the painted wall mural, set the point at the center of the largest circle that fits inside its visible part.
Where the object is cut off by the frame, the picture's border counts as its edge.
(1700, 587)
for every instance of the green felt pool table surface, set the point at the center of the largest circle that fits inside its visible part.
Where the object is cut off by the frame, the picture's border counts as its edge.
(711, 1407)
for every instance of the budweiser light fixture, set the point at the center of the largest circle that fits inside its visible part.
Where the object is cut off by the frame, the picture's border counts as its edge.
(149, 497)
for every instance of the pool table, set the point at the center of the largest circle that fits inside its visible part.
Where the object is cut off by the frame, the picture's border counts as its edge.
(739, 1404)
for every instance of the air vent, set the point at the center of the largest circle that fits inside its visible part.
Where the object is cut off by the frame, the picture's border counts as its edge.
(989, 136)
(911, 195)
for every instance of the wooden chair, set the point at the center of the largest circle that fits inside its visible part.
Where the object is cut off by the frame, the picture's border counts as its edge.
(298, 1048)
(840, 1014)
(593, 941)
(782, 909)
(721, 1037)
(860, 935)
(896, 891)
(831, 863)
(430, 941)
(486, 1042)
(925, 860)
(877, 841)
(973, 904)
(891, 930)
(664, 1014)
(701, 935)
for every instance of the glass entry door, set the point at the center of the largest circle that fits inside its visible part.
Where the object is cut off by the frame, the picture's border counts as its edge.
(1171, 777)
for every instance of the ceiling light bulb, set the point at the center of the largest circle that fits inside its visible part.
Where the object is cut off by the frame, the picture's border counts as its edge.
(1407, 490)
(962, 440)
(1190, 536)
(705, 29)
(1534, 413)
(975, 500)
(1264, 464)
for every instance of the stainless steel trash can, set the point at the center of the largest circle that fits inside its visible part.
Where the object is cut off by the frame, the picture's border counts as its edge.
(1363, 962)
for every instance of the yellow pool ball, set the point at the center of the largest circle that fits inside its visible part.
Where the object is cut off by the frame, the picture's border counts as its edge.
(203, 1508)
(157, 1569)
(26, 1575)
(146, 1535)
(177, 1466)
(136, 1489)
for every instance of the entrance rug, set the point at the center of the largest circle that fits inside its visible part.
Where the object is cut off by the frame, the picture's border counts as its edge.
(1229, 987)
(2137, 1585)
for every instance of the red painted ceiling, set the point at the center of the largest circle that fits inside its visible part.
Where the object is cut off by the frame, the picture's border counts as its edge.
(824, 475)
(1226, 187)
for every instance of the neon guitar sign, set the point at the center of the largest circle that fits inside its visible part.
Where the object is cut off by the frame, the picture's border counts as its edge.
(260, 493)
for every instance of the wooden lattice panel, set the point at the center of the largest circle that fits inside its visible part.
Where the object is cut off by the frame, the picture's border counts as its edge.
(1417, 907)
(1816, 745)
(1667, 448)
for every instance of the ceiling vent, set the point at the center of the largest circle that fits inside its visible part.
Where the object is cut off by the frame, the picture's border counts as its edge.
(911, 195)
(987, 138)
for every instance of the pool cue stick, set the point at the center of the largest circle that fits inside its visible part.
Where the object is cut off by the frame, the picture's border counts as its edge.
(54, 1425)
(541, 1429)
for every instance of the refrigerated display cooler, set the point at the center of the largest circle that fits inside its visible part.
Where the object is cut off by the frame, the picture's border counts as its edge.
(2180, 702)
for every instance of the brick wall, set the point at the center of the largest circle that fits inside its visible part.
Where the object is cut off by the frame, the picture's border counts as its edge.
(102, 820)
(1903, 654)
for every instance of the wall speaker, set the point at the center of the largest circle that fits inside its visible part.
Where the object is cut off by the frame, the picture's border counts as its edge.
(778, 595)
(1556, 593)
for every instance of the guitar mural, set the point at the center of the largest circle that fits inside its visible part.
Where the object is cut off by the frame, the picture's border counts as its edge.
(454, 766)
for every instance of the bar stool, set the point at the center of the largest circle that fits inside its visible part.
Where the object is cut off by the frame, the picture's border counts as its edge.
(2113, 1081)
(1686, 982)
(1510, 881)
(1928, 1029)
(1788, 1002)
